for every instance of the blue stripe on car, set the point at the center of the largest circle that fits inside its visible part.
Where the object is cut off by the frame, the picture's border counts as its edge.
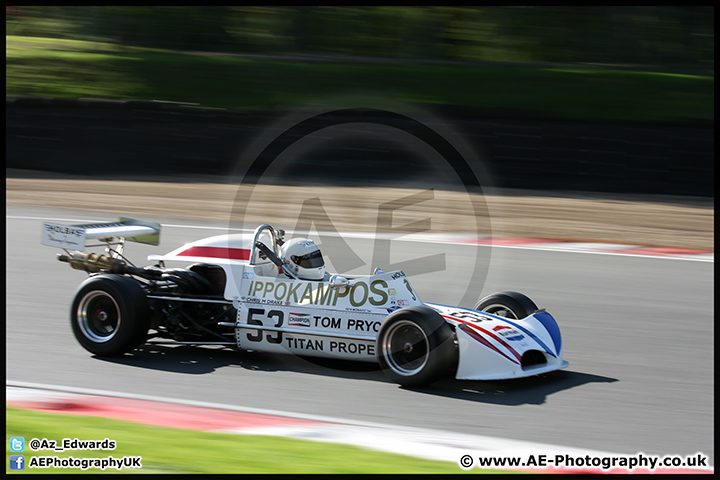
(545, 319)
(528, 333)
(552, 327)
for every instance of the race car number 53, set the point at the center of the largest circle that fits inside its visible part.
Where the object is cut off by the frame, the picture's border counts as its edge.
(255, 316)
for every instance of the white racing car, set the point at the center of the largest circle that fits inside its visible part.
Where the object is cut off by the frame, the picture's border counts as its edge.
(258, 292)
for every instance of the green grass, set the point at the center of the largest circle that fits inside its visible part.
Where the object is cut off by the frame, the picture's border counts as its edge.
(169, 450)
(76, 69)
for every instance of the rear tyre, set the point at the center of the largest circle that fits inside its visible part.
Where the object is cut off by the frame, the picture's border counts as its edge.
(416, 346)
(511, 305)
(110, 315)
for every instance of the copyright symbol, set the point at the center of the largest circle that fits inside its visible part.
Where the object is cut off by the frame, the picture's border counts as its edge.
(466, 461)
(34, 444)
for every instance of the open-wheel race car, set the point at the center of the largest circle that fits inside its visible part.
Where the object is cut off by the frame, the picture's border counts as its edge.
(259, 292)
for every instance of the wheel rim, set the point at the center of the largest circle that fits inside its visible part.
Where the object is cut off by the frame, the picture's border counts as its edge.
(405, 348)
(98, 316)
(500, 310)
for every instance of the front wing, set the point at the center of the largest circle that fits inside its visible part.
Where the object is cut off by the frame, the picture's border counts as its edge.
(497, 348)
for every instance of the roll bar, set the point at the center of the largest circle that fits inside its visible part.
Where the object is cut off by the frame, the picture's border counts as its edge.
(272, 252)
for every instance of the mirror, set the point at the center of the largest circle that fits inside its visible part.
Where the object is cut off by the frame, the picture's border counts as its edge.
(336, 281)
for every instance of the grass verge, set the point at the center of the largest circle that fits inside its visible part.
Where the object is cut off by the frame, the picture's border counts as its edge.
(76, 69)
(169, 450)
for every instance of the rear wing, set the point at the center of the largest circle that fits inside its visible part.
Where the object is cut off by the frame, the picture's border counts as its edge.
(78, 237)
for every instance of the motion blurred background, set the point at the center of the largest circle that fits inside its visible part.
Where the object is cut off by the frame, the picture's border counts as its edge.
(610, 99)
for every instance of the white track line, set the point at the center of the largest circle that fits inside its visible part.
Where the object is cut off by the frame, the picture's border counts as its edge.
(564, 247)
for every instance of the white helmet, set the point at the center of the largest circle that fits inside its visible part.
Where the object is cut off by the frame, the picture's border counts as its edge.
(303, 257)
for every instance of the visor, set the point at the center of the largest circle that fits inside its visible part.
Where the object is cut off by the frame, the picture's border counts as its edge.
(310, 260)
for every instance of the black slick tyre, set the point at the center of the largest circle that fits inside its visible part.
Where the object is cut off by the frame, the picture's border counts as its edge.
(511, 305)
(416, 346)
(110, 315)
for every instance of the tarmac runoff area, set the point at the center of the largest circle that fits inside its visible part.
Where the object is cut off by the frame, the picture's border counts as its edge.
(422, 443)
(624, 224)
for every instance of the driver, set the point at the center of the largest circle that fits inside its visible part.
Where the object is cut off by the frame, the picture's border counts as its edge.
(304, 259)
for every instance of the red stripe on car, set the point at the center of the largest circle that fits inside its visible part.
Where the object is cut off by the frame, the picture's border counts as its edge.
(216, 252)
(466, 328)
(499, 340)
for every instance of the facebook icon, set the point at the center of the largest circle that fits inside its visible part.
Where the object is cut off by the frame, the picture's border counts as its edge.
(17, 462)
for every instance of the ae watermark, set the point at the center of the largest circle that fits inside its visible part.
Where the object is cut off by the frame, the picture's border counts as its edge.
(370, 188)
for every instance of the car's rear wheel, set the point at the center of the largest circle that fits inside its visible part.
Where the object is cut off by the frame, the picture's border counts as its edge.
(416, 346)
(512, 305)
(110, 315)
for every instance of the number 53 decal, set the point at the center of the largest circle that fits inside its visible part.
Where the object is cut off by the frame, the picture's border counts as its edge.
(255, 316)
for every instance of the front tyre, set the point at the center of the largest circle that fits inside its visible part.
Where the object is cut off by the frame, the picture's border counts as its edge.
(110, 315)
(416, 346)
(511, 305)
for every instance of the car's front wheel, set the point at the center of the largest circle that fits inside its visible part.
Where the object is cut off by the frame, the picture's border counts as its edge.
(512, 305)
(416, 346)
(110, 315)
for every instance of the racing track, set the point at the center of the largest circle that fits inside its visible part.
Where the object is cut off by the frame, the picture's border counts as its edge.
(637, 331)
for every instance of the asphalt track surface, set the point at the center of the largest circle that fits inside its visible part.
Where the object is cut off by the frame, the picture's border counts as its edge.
(637, 331)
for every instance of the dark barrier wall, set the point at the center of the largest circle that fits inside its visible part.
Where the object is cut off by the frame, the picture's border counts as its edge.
(107, 138)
